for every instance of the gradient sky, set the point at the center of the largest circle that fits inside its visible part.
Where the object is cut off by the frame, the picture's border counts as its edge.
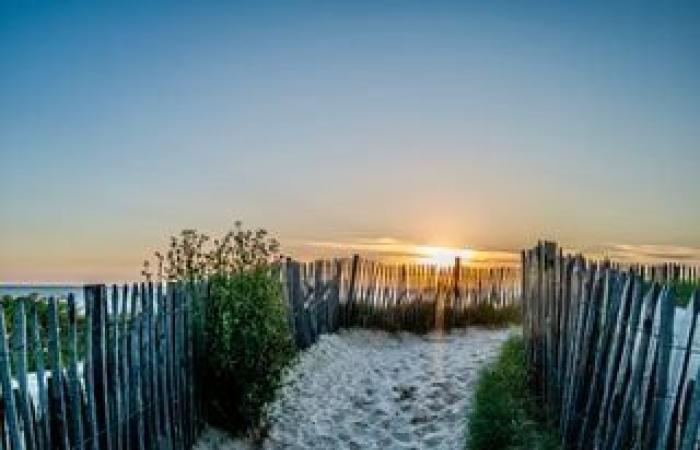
(343, 124)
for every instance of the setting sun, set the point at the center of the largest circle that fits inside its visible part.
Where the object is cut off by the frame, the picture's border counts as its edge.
(443, 256)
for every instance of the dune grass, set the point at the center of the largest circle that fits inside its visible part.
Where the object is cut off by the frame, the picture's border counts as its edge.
(506, 414)
(683, 290)
(420, 317)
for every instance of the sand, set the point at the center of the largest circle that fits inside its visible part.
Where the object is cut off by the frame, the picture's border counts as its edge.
(363, 389)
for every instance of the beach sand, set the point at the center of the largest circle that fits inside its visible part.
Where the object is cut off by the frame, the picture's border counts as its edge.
(361, 389)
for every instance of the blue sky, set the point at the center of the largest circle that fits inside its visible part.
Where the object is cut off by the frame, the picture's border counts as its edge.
(437, 123)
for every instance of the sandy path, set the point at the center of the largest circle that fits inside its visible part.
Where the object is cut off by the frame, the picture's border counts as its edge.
(364, 389)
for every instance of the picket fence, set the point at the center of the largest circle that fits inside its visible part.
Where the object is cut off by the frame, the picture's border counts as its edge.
(123, 376)
(326, 295)
(616, 362)
(124, 372)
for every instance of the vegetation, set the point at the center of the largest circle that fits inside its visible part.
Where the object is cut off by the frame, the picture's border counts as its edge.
(489, 315)
(683, 291)
(249, 345)
(420, 317)
(245, 323)
(41, 304)
(506, 414)
(194, 256)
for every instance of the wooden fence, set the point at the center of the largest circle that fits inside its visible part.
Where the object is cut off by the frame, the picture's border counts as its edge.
(122, 372)
(616, 358)
(123, 376)
(326, 295)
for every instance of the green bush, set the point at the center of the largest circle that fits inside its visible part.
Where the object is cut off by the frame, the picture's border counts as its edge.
(683, 290)
(245, 319)
(248, 345)
(506, 414)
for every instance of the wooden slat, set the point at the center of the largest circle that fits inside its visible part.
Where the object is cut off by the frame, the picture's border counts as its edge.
(91, 424)
(124, 368)
(99, 359)
(678, 368)
(157, 409)
(162, 369)
(170, 362)
(8, 398)
(113, 380)
(19, 348)
(614, 355)
(136, 426)
(663, 395)
(75, 389)
(176, 364)
(691, 432)
(146, 368)
(43, 435)
(56, 394)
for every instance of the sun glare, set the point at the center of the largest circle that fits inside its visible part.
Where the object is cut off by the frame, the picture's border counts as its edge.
(443, 256)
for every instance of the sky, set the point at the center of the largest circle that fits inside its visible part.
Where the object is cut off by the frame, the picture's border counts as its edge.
(345, 126)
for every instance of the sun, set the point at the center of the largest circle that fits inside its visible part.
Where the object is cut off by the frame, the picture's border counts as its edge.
(443, 256)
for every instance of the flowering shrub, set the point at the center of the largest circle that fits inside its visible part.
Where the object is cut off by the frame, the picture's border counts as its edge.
(193, 256)
(248, 340)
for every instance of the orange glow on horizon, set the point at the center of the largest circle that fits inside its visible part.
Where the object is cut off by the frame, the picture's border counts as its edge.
(442, 256)
(395, 251)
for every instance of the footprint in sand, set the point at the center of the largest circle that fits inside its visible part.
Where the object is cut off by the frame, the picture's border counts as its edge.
(361, 389)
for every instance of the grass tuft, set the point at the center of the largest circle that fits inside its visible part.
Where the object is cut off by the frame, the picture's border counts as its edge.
(683, 290)
(506, 414)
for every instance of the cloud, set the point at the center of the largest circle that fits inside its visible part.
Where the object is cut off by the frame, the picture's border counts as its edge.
(646, 253)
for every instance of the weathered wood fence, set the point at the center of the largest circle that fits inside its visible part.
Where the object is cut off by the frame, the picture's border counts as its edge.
(122, 372)
(615, 358)
(326, 295)
(124, 376)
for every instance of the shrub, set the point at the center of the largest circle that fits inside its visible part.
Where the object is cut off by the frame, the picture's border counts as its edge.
(506, 414)
(194, 256)
(248, 345)
(245, 319)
